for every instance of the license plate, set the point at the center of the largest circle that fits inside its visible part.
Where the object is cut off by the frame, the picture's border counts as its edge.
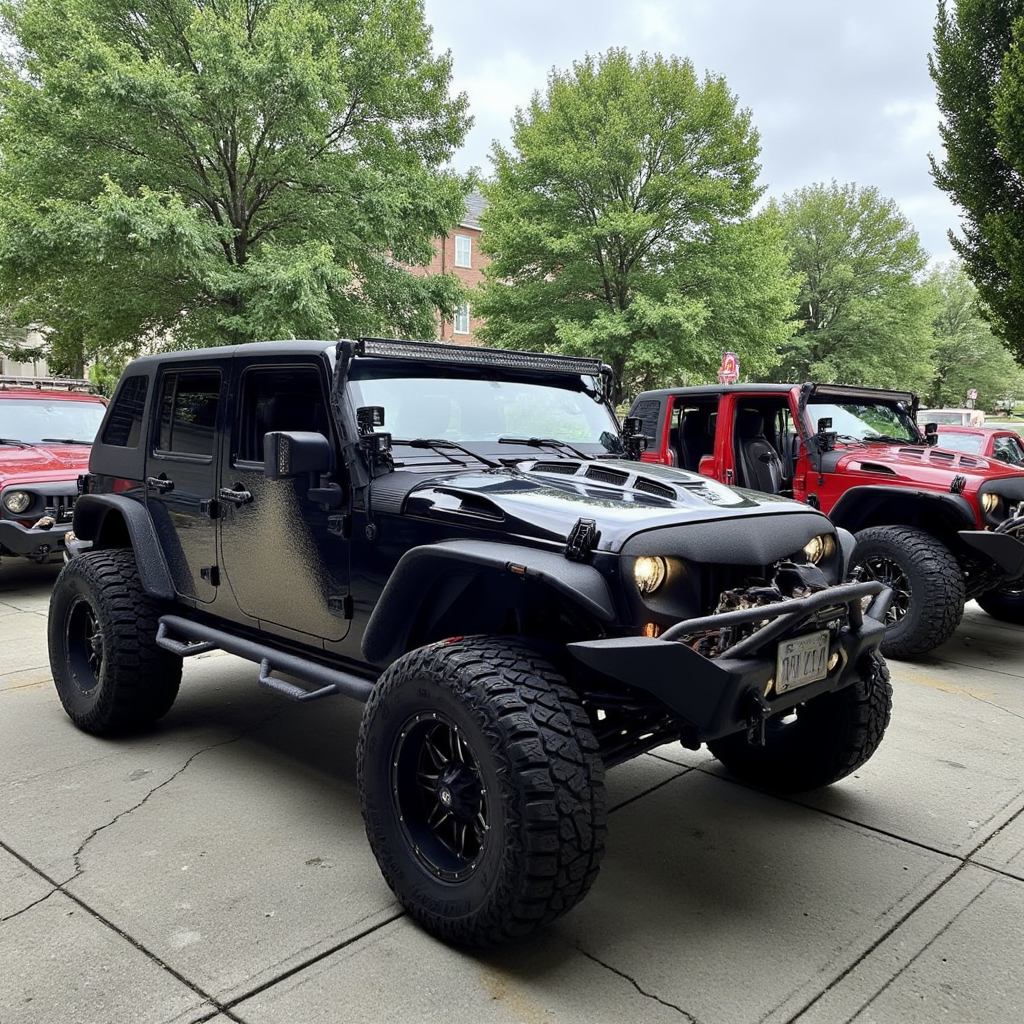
(800, 661)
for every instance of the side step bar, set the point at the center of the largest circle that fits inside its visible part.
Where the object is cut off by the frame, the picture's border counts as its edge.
(197, 639)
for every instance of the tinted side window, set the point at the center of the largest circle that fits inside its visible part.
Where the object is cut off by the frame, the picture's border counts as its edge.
(1009, 450)
(124, 424)
(188, 412)
(278, 398)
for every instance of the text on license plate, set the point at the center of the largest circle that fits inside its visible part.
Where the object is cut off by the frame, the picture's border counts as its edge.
(802, 660)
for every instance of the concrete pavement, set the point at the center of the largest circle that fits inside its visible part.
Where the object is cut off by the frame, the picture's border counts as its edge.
(217, 869)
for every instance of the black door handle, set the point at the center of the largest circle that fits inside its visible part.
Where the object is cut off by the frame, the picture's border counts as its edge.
(160, 483)
(236, 497)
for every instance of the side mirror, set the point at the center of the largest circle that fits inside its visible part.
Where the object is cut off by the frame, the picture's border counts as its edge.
(288, 454)
(931, 433)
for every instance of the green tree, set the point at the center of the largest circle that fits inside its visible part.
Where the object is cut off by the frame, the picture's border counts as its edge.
(619, 225)
(967, 354)
(978, 70)
(861, 315)
(192, 172)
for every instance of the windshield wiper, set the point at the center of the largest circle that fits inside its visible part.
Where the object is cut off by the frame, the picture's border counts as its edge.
(64, 440)
(889, 439)
(15, 441)
(434, 443)
(543, 442)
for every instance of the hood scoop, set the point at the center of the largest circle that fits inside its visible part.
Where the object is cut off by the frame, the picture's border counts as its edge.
(941, 457)
(608, 476)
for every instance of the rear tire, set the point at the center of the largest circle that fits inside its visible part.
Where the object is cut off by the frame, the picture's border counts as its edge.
(926, 581)
(109, 672)
(481, 789)
(817, 743)
(1006, 604)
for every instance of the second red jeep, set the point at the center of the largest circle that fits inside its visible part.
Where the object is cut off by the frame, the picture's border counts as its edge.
(937, 526)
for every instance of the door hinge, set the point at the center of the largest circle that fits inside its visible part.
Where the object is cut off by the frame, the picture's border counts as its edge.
(211, 573)
(340, 526)
(340, 605)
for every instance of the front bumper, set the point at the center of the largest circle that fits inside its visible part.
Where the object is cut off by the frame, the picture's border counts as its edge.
(36, 542)
(717, 697)
(1005, 551)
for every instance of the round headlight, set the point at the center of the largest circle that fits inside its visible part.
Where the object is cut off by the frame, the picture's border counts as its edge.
(820, 547)
(649, 573)
(989, 502)
(17, 501)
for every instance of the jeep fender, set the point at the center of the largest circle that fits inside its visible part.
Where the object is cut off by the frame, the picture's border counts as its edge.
(388, 628)
(105, 519)
(942, 515)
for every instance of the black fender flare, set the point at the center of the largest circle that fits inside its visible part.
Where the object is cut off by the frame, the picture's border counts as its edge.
(388, 628)
(92, 512)
(953, 508)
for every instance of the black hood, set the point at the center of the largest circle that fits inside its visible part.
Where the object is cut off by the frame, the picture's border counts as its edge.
(544, 498)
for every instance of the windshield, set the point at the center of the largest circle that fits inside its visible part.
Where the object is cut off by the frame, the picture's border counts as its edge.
(33, 420)
(866, 421)
(961, 442)
(471, 410)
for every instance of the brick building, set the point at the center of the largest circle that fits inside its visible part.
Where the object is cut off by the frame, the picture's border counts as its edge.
(460, 253)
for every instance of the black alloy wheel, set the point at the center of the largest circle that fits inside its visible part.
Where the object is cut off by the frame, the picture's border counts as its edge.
(441, 795)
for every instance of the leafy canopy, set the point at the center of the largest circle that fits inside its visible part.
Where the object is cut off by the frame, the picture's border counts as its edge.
(619, 225)
(209, 171)
(967, 354)
(861, 316)
(978, 70)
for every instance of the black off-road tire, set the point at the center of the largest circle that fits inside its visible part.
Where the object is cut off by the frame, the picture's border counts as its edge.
(482, 789)
(1005, 603)
(819, 742)
(110, 674)
(926, 581)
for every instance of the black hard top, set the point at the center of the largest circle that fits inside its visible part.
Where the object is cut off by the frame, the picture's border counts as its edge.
(830, 390)
(433, 352)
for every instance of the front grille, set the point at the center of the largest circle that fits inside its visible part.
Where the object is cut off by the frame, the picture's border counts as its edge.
(62, 504)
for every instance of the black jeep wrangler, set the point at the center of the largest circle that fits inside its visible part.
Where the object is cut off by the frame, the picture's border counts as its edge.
(518, 605)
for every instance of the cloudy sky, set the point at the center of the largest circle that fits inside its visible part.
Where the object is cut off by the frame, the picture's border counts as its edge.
(837, 90)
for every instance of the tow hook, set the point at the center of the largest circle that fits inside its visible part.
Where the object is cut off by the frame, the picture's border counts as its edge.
(758, 713)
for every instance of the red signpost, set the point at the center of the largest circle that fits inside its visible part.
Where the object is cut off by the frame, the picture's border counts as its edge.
(729, 371)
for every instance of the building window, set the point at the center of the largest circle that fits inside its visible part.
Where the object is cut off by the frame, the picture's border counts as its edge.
(461, 325)
(463, 251)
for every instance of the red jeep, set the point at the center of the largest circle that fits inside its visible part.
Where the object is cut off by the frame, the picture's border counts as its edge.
(939, 527)
(47, 426)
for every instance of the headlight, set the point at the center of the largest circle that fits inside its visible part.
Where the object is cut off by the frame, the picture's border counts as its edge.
(989, 502)
(649, 573)
(821, 547)
(17, 501)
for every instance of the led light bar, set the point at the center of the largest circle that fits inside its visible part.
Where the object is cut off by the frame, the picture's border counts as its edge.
(439, 352)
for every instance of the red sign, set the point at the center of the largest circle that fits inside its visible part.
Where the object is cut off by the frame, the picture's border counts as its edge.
(729, 371)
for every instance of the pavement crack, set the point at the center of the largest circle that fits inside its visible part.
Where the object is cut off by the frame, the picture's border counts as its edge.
(77, 858)
(636, 985)
(28, 907)
(993, 704)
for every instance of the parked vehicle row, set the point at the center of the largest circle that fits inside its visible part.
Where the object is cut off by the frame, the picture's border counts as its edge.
(936, 525)
(46, 428)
